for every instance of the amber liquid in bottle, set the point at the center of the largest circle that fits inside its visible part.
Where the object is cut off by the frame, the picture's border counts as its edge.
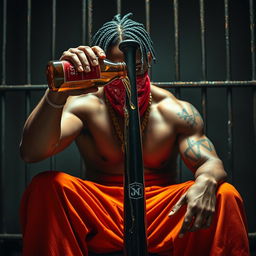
(62, 75)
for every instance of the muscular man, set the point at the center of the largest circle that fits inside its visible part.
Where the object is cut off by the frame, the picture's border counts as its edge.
(65, 215)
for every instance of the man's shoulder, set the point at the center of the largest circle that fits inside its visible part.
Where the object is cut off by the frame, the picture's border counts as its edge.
(84, 103)
(178, 112)
(165, 100)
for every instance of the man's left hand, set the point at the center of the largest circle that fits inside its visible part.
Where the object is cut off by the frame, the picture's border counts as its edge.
(200, 199)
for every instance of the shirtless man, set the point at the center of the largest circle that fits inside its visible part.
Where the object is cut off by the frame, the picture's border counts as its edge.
(203, 210)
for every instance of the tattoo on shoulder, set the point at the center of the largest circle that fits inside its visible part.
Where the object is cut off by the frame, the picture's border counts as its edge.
(194, 149)
(191, 119)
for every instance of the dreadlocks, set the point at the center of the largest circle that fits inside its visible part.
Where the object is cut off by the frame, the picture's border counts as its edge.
(119, 29)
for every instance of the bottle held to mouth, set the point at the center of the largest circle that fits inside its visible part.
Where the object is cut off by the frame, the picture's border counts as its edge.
(63, 76)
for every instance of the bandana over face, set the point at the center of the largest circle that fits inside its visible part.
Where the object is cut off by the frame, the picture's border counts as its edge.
(116, 94)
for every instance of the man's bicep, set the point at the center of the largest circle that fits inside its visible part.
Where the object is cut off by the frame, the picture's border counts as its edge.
(195, 150)
(71, 127)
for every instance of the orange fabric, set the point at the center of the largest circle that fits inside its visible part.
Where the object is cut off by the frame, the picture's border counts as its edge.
(64, 215)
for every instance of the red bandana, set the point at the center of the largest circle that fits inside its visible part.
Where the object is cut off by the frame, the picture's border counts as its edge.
(115, 93)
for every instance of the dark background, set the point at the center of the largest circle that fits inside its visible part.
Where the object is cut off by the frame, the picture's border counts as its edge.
(69, 24)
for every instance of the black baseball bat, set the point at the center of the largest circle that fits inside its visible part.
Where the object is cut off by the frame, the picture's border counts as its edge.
(135, 238)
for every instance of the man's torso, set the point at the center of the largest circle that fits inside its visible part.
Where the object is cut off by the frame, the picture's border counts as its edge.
(100, 145)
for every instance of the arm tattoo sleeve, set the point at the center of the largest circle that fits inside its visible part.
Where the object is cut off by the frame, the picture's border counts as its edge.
(195, 148)
(190, 117)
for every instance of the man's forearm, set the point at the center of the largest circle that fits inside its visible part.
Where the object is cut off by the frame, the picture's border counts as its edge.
(42, 129)
(213, 170)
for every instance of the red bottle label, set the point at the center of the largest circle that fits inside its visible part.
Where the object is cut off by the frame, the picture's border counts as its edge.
(71, 74)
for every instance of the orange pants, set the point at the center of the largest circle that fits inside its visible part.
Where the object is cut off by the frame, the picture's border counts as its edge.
(62, 215)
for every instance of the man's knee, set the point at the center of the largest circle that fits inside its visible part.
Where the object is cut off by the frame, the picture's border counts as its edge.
(49, 180)
(228, 193)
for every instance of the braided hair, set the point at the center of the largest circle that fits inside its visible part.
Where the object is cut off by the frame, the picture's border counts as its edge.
(113, 32)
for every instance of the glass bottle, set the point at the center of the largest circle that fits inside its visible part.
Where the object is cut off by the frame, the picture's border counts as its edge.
(63, 76)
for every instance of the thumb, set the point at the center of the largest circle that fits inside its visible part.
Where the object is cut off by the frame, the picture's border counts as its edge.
(178, 205)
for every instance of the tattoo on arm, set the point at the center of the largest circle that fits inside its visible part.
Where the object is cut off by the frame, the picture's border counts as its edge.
(191, 119)
(194, 149)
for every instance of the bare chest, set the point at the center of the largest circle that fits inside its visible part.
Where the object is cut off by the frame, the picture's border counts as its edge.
(101, 146)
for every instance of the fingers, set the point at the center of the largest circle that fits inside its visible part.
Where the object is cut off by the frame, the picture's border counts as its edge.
(72, 56)
(186, 223)
(178, 205)
(208, 222)
(83, 57)
(99, 52)
(196, 219)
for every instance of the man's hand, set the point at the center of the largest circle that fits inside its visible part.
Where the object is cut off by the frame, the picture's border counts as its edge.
(83, 57)
(200, 199)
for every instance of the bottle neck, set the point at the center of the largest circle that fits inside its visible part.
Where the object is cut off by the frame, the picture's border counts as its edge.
(109, 66)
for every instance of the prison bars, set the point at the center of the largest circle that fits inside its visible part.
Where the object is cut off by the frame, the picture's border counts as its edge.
(87, 8)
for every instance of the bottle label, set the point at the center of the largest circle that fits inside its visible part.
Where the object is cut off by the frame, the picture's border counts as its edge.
(72, 75)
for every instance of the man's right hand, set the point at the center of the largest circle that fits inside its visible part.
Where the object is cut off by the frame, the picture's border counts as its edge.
(83, 57)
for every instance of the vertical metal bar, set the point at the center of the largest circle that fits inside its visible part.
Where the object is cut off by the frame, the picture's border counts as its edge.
(203, 48)
(27, 112)
(177, 44)
(53, 28)
(147, 11)
(119, 6)
(147, 7)
(28, 42)
(27, 94)
(2, 135)
(2, 171)
(229, 92)
(4, 42)
(53, 158)
(227, 40)
(203, 62)
(177, 66)
(89, 22)
(252, 32)
(83, 22)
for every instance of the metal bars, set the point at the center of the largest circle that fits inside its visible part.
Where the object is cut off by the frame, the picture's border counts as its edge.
(252, 32)
(203, 62)
(229, 91)
(53, 29)
(2, 104)
(4, 41)
(119, 6)
(176, 44)
(2, 146)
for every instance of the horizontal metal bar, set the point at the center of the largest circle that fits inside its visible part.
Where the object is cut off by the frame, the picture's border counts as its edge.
(22, 87)
(252, 235)
(180, 84)
(11, 236)
(205, 84)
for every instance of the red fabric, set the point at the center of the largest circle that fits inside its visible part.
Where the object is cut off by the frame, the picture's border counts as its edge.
(115, 93)
(65, 215)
